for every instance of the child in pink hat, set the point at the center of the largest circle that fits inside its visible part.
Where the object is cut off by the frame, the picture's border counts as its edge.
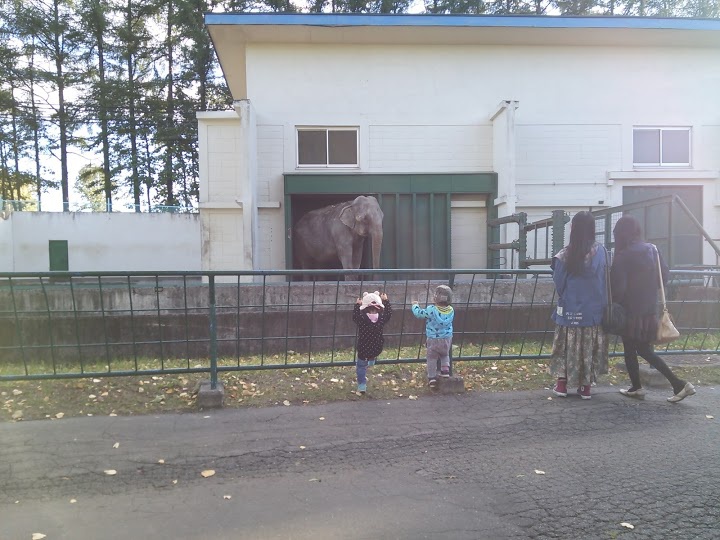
(370, 314)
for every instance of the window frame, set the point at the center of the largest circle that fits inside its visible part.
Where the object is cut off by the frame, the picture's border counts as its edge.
(661, 164)
(327, 164)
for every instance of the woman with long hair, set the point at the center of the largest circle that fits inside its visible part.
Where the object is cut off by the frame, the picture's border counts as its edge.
(635, 284)
(580, 346)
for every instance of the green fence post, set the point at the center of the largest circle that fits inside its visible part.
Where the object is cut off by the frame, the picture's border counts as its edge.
(559, 219)
(522, 240)
(213, 334)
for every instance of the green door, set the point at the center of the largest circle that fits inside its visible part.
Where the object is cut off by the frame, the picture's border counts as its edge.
(59, 261)
(667, 226)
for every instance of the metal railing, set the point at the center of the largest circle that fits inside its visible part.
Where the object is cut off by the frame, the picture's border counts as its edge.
(666, 222)
(33, 205)
(69, 325)
(661, 220)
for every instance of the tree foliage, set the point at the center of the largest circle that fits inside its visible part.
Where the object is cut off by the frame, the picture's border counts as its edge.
(122, 81)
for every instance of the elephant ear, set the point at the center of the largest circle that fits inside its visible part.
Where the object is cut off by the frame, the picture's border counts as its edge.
(347, 216)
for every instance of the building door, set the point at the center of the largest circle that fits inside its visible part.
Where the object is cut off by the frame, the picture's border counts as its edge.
(59, 260)
(666, 225)
(468, 224)
(417, 213)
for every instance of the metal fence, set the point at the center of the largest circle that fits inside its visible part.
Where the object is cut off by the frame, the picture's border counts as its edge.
(69, 325)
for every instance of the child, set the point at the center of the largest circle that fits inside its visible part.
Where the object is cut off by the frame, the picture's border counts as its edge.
(439, 331)
(370, 314)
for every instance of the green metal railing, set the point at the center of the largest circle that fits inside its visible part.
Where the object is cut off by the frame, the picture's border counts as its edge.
(68, 325)
(666, 222)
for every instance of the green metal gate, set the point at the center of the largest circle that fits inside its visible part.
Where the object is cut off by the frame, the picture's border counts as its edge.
(416, 227)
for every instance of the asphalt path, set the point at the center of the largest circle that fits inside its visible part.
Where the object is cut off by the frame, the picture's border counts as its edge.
(439, 467)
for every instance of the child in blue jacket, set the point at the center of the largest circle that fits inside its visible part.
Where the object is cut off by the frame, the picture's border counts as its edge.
(438, 332)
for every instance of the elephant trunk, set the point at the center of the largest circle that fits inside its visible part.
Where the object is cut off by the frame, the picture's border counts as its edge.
(377, 237)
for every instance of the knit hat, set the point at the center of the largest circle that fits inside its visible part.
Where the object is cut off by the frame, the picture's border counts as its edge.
(443, 294)
(372, 299)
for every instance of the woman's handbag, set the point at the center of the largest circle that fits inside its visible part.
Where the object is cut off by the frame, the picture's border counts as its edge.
(666, 331)
(613, 321)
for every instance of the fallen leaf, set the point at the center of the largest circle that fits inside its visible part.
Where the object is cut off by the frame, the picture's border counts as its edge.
(314, 480)
(549, 398)
(412, 397)
(538, 471)
(709, 416)
(174, 481)
(17, 415)
(334, 380)
(286, 403)
(227, 497)
(321, 418)
(112, 414)
(16, 392)
(110, 472)
(73, 501)
(38, 536)
(207, 473)
(96, 380)
(627, 525)
(302, 448)
(60, 415)
(116, 445)
(161, 461)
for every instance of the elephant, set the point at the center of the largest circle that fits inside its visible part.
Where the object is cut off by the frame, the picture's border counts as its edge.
(338, 232)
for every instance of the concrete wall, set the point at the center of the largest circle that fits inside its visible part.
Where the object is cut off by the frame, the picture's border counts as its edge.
(101, 241)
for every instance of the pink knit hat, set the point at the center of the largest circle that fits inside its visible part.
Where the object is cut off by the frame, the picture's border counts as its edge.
(372, 299)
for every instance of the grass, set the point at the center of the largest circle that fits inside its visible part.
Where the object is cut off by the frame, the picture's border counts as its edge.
(291, 386)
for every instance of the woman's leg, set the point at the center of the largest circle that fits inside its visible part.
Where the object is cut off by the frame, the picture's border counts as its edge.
(648, 353)
(631, 362)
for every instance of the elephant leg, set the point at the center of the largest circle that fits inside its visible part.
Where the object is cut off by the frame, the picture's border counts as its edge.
(358, 246)
(346, 260)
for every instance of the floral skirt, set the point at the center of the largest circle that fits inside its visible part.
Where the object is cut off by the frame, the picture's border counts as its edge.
(580, 354)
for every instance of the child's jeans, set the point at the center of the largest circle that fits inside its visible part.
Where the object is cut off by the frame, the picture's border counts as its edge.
(361, 369)
(437, 349)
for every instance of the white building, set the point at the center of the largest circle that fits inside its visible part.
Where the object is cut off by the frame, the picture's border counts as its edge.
(461, 118)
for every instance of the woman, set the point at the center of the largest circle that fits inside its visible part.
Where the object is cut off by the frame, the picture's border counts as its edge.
(580, 346)
(635, 284)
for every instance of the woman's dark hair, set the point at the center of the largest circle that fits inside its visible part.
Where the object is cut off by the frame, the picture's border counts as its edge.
(582, 238)
(627, 231)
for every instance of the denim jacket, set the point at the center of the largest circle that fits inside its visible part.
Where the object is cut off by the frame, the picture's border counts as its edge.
(582, 298)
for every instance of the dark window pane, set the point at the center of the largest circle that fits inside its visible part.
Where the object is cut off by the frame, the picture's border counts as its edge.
(343, 147)
(312, 149)
(676, 146)
(646, 146)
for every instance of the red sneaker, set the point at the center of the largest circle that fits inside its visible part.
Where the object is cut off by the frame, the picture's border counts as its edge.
(584, 392)
(560, 388)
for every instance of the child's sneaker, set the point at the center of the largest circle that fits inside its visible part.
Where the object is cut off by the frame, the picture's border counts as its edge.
(584, 392)
(362, 388)
(432, 383)
(445, 372)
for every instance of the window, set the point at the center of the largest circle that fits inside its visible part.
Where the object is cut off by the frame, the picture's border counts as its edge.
(661, 147)
(327, 147)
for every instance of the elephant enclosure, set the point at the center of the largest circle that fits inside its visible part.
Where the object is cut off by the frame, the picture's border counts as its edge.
(61, 329)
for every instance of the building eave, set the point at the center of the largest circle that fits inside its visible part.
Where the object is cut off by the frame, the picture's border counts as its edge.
(231, 33)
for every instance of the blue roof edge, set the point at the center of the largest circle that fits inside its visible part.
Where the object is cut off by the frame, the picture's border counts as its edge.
(472, 21)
